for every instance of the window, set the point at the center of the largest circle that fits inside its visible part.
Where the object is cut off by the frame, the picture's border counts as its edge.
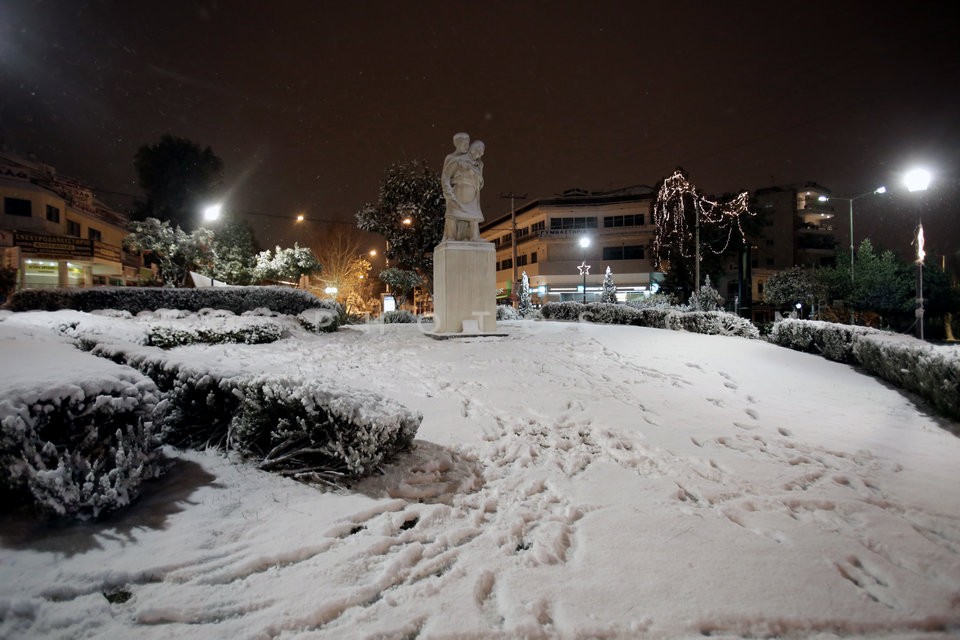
(769, 242)
(73, 228)
(630, 252)
(506, 264)
(533, 257)
(522, 260)
(573, 223)
(53, 213)
(537, 227)
(623, 221)
(94, 234)
(17, 207)
(522, 232)
(769, 262)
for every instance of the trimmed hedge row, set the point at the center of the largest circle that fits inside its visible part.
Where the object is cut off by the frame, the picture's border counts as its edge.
(136, 299)
(706, 322)
(931, 371)
(287, 424)
(81, 448)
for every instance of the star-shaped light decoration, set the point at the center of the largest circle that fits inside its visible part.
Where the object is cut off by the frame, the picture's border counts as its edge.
(584, 268)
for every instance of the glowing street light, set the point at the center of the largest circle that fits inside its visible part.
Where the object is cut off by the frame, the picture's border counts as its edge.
(584, 267)
(918, 180)
(212, 212)
(301, 217)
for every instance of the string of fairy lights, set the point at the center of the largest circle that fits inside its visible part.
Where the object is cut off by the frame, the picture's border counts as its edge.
(672, 218)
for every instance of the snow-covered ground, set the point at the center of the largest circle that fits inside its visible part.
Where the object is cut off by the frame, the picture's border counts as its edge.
(570, 480)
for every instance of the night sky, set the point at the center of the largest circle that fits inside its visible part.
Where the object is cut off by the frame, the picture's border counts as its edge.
(309, 102)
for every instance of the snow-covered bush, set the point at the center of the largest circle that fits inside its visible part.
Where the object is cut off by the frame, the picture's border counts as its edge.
(706, 299)
(654, 301)
(226, 329)
(320, 320)
(718, 323)
(507, 312)
(286, 423)
(929, 370)
(833, 341)
(136, 299)
(708, 322)
(609, 313)
(81, 448)
(524, 304)
(563, 310)
(302, 427)
(399, 316)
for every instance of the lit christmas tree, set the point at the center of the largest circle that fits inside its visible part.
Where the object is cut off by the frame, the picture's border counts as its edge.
(609, 288)
(524, 307)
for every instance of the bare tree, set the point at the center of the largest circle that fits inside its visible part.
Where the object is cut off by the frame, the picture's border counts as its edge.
(343, 254)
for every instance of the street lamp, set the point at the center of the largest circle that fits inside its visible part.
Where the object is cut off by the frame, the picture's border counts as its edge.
(584, 267)
(850, 200)
(918, 180)
(212, 212)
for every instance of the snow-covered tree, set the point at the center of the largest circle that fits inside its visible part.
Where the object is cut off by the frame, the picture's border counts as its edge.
(707, 299)
(791, 286)
(409, 213)
(175, 252)
(524, 306)
(285, 264)
(609, 293)
(235, 253)
(403, 282)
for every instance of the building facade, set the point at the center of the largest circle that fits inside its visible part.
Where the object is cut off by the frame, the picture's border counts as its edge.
(55, 233)
(800, 231)
(542, 238)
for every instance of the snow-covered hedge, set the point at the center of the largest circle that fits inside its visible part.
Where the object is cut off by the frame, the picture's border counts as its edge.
(229, 329)
(708, 322)
(79, 448)
(319, 320)
(288, 424)
(833, 341)
(929, 370)
(399, 316)
(136, 299)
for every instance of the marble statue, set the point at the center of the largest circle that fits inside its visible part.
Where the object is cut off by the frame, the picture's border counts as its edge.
(462, 180)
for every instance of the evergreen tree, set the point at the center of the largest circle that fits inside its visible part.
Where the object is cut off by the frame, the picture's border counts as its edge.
(402, 281)
(235, 253)
(525, 307)
(609, 288)
(706, 299)
(791, 286)
(175, 251)
(285, 265)
(409, 213)
(178, 178)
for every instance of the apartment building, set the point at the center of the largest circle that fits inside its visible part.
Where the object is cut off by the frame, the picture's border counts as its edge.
(55, 233)
(542, 237)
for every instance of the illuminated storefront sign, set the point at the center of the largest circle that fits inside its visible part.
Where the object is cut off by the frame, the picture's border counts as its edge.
(36, 244)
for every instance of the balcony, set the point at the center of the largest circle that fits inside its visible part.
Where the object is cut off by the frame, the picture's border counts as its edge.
(818, 243)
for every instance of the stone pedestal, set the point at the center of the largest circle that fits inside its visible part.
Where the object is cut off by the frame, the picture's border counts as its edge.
(464, 287)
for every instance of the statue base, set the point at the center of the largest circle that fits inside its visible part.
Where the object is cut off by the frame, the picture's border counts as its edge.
(464, 288)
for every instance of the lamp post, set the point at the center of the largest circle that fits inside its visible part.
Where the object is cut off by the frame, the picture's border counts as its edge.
(584, 267)
(850, 200)
(918, 180)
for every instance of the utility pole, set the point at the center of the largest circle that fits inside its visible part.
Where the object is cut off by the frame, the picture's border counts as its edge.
(513, 232)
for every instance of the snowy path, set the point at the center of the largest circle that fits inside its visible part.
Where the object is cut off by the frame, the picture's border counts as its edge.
(569, 481)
